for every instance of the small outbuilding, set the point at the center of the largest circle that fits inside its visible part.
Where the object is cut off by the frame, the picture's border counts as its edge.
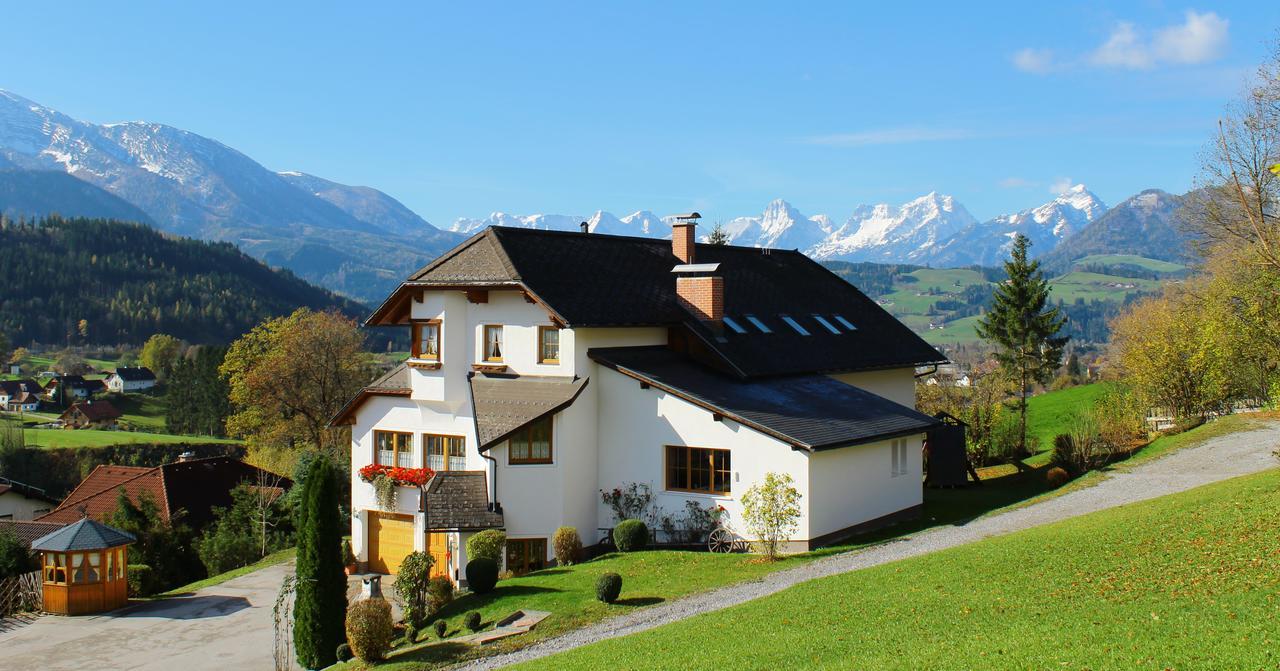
(85, 568)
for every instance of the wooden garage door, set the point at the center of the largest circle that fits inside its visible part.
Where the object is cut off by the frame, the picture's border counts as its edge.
(390, 541)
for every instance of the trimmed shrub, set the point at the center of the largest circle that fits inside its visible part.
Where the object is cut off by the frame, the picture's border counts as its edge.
(472, 620)
(442, 628)
(482, 575)
(1057, 477)
(141, 579)
(369, 629)
(410, 633)
(608, 587)
(439, 594)
(630, 536)
(488, 544)
(348, 557)
(567, 545)
(344, 652)
(411, 586)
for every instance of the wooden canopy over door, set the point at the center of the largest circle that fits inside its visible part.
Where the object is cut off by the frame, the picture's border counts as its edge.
(390, 541)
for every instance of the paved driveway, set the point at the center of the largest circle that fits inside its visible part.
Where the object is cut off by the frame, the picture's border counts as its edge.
(225, 627)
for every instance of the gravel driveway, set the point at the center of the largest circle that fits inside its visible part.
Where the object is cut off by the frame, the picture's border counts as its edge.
(1217, 459)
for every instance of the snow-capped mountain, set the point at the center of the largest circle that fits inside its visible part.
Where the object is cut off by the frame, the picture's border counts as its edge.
(989, 242)
(890, 233)
(780, 226)
(195, 186)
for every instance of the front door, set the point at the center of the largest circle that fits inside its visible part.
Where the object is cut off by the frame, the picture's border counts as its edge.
(390, 541)
(438, 546)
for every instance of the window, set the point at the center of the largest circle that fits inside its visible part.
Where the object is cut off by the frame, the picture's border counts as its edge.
(845, 323)
(55, 568)
(697, 469)
(899, 457)
(393, 448)
(532, 444)
(426, 340)
(795, 325)
(548, 344)
(758, 324)
(734, 325)
(493, 342)
(826, 324)
(445, 453)
(526, 554)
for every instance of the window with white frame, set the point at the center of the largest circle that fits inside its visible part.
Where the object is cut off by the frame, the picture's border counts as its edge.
(898, 448)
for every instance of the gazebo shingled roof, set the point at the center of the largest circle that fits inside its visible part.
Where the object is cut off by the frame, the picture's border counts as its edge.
(86, 534)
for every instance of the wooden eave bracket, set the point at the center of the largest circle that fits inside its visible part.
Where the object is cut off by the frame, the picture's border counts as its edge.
(423, 365)
(489, 367)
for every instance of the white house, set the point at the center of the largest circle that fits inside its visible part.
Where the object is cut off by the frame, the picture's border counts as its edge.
(20, 395)
(127, 378)
(549, 366)
(21, 502)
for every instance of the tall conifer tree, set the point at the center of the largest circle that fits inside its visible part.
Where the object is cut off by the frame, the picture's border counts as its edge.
(1023, 329)
(320, 607)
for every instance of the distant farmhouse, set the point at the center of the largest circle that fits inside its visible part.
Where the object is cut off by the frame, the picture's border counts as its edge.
(127, 379)
(77, 387)
(20, 395)
(91, 415)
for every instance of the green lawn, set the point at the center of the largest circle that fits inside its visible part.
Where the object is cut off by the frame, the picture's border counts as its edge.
(145, 410)
(1183, 582)
(1130, 260)
(957, 331)
(946, 279)
(96, 438)
(1050, 414)
(1091, 286)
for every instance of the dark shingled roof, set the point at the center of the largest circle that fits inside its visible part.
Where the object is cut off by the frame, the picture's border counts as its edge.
(813, 412)
(85, 534)
(460, 500)
(504, 405)
(28, 531)
(589, 279)
(135, 374)
(394, 383)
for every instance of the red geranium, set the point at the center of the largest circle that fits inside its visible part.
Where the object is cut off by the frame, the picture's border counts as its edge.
(405, 477)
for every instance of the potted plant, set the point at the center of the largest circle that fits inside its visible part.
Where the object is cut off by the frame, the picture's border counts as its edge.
(348, 557)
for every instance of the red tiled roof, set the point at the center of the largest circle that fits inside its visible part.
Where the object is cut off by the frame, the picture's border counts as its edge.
(94, 410)
(98, 494)
(29, 531)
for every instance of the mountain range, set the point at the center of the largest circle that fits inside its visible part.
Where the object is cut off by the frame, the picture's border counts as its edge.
(360, 242)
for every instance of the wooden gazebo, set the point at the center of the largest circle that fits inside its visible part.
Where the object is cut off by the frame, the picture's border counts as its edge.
(85, 568)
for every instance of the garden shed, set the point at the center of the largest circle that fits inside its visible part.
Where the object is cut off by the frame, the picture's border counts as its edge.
(946, 460)
(84, 568)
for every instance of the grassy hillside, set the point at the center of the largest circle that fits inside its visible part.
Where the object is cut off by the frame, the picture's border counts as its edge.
(127, 281)
(1050, 413)
(1182, 582)
(1143, 262)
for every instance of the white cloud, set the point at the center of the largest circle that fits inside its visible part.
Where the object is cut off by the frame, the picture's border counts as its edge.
(1061, 185)
(1015, 183)
(1035, 61)
(891, 136)
(1201, 38)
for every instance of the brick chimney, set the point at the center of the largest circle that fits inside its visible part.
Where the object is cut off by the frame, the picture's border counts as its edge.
(683, 237)
(701, 295)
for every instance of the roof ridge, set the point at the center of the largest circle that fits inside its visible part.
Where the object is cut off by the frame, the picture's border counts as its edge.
(67, 502)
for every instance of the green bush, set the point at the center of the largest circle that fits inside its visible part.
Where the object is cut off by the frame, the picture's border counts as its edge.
(141, 580)
(412, 584)
(15, 557)
(608, 587)
(472, 620)
(488, 544)
(482, 575)
(630, 536)
(320, 604)
(1063, 452)
(344, 652)
(369, 629)
(442, 628)
(348, 557)
(1057, 477)
(567, 545)
(439, 594)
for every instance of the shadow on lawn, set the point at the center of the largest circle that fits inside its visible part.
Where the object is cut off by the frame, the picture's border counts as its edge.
(478, 601)
(639, 601)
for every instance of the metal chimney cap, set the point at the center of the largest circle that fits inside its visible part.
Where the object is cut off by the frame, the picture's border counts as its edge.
(687, 216)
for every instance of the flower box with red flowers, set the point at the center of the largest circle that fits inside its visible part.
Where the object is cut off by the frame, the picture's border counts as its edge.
(404, 477)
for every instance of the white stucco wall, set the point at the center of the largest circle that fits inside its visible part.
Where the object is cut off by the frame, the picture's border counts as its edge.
(15, 506)
(852, 485)
(896, 384)
(637, 424)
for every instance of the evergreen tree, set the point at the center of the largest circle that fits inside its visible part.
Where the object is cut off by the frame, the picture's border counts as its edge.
(320, 608)
(1023, 329)
(718, 236)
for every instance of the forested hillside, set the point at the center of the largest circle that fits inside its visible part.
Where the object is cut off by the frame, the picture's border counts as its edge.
(109, 282)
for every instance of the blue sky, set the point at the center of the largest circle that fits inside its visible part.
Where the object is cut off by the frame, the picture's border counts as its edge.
(720, 107)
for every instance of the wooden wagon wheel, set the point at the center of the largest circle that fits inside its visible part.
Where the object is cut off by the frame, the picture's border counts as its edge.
(720, 540)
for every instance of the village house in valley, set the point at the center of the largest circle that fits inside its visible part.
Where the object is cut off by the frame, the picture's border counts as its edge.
(127, 379)
(549, 366)
(20, 395)
(90, 415)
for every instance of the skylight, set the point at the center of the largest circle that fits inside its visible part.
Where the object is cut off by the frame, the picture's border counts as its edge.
(758, 324)
(845, 323)
(794, 324)
(734, 325)
(826, 324)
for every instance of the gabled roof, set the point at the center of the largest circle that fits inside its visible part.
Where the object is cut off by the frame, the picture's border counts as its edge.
(16, 387)
(29, 531)
(97, 495)
(94, 411)
(811, 412)
(460, 500)
(23, 489)
(504, 405)
(86, 534)
(394, 383)
(135, 374)
(595, 280)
